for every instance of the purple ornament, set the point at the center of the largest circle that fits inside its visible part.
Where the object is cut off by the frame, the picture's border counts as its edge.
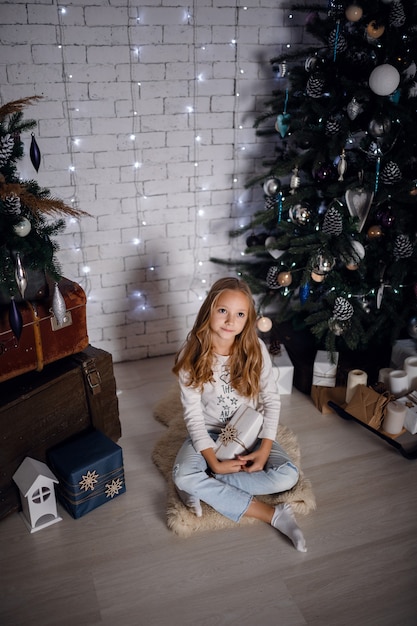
(385, 218)
(15, 319)
(324, 173)
(252, 240)
(35, 153)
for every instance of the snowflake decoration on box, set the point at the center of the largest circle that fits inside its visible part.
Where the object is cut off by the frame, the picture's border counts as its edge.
(112, 489)
(88, 481)
(228, 434)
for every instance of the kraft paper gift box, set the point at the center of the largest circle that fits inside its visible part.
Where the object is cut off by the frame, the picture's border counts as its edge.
(368, 406)
(322, 395)
(410, 401)
(90, 472)
(283, 371)
(240, 434)
(324, 371)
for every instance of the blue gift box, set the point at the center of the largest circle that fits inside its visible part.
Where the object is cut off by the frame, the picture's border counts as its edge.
(90, 472)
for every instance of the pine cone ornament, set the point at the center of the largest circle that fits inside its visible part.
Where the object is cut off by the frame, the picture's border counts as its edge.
(271, 277)
(332, 223)
(403, 248)
(11, 204)
(275, 348)
(337, 41)
(342, 310)
(332, 125)
(6, 148)
(373, 152)
(270, 203)
(391, 173)
(397, 14)
(315, 86)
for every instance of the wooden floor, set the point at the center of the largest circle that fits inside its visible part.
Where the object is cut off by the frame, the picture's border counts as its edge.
(121, 566)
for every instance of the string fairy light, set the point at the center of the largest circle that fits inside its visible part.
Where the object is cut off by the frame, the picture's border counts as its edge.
(237, 205)
(140, 298)
(77, 233)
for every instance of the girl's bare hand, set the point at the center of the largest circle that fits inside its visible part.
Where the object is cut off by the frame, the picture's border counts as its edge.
(231, 466)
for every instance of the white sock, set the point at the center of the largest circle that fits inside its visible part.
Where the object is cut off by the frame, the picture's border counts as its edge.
(192, 502)
(283, 520)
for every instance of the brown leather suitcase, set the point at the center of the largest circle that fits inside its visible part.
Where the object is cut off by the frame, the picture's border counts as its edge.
(41, 409)
(43, 340)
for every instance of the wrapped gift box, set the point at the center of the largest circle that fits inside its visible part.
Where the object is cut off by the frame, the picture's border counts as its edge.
(90, 472)
(402, 349)
(324, 370)
(283, 370)
(322, 395)
(240, 434)
(410, 402)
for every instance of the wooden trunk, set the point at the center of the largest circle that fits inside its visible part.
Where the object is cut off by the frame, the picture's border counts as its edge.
(43, 340)
(40, 409)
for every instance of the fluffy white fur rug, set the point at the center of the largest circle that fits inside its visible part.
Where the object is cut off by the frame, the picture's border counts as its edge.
(180, 519)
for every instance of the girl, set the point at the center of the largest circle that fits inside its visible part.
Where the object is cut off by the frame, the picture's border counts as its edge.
(222, 365)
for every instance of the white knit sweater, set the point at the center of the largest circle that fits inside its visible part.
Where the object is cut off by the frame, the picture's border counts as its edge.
(211, 409)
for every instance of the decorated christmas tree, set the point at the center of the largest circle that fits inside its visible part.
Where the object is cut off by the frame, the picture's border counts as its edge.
(28, 222)
(333, 248)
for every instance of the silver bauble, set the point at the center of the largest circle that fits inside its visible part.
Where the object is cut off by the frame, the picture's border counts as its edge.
(379, 126)
(272, 186)
(299, 214)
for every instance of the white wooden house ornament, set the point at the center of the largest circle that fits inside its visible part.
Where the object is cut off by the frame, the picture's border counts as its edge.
(36, 484)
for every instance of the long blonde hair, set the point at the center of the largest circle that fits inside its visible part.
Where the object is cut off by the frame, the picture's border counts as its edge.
(245, 360)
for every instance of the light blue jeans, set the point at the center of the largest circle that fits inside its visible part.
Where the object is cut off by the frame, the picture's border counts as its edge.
(231, 494)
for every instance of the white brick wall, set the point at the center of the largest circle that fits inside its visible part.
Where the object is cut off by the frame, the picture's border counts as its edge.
(147, 246)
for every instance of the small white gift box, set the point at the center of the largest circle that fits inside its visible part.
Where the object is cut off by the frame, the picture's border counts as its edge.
(402, 349)
(410, 401)
(240, 433)
(283, 371)
(324, 370)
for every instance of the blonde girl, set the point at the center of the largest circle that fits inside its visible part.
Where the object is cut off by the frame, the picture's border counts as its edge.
(222, 365)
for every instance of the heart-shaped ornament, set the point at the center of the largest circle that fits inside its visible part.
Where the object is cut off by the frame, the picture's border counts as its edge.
(283, 123)
(270, 242)
(359, 202)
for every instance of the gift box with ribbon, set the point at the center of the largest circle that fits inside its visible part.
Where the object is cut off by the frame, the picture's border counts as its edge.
(283, 371)
(90, 472)
(325, 369)
(240, 434)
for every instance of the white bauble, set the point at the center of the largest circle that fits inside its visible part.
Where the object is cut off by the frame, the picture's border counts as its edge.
(264, 324)
(384, 79)
(23, 228)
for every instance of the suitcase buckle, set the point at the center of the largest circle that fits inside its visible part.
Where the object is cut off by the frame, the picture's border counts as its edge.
(93, 376)
(67, 321)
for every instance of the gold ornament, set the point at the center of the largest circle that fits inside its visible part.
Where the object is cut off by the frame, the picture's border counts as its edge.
(353, 13)
(318, 278)
(375, 232)
(375, 30)
(284, 279)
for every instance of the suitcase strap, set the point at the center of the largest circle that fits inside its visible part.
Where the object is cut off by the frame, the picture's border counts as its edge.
(92, 376)
(37, 337)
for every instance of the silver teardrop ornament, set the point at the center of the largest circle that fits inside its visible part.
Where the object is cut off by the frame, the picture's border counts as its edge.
(20, 275)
